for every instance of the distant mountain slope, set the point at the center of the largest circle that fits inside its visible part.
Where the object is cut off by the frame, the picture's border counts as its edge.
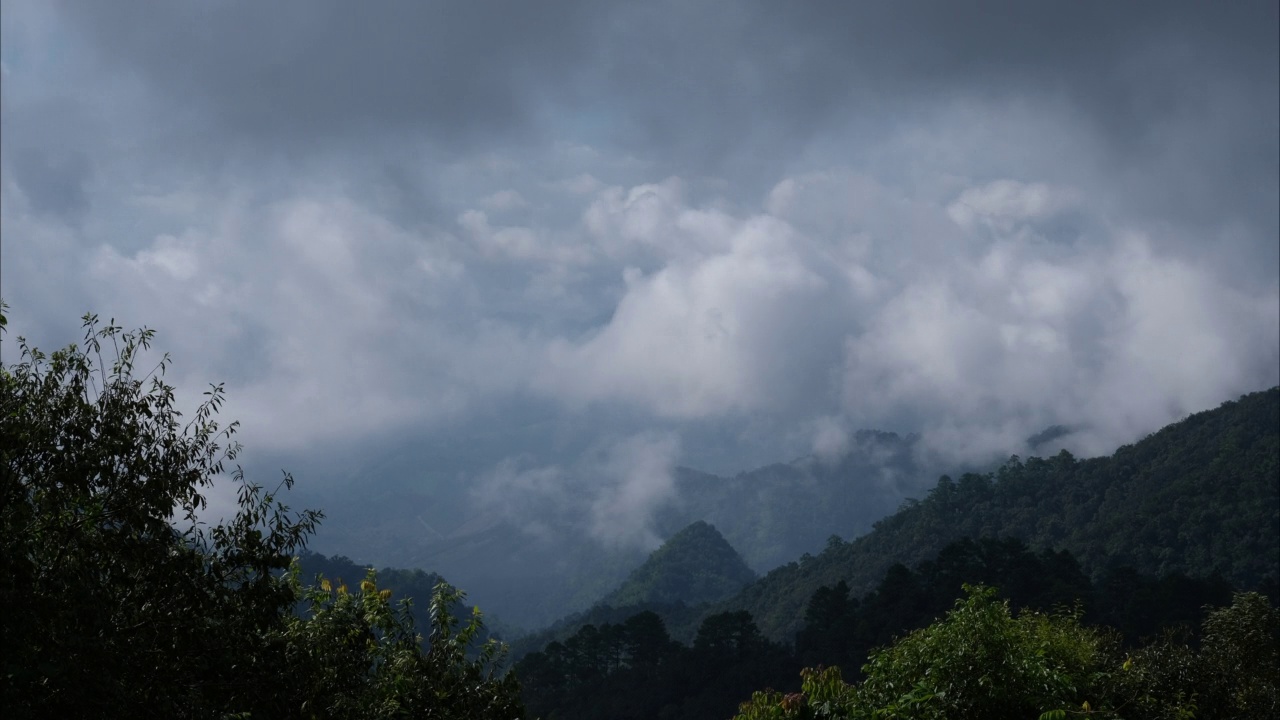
(533, 570)
(776, 513)
(697, 565)
(1201, 496)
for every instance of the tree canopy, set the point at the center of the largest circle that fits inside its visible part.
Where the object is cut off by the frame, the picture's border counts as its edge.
(983, 661)
(121, 601)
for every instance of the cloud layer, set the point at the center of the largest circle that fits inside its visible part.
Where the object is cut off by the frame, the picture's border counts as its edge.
(738, 230)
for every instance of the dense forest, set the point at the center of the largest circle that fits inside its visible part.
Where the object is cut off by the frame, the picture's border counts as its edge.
(611, 670)
(982, 661)
(1198, 497)
(1139, 585)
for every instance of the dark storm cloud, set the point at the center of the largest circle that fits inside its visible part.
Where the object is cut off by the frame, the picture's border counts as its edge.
(1178, 98)
(974, 220)
(673, 70)
(291, 72)
(1181, 96)
(53, 181)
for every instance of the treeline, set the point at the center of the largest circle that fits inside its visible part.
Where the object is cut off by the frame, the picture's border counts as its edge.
(841, 629)
(681, 621)
(634, 669)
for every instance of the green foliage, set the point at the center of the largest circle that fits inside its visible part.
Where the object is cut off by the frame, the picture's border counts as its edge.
(1240, 657)
(355, 655)
(120, 602)
(569, 679)
(417, 586)
(841, 629)
(982, 661)
(108, 599)
(823, 694)
(1235, 674)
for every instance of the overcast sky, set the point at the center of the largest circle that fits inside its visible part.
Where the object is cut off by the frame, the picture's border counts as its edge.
(712, 233)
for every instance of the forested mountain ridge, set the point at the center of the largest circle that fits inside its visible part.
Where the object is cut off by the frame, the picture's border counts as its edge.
(692, 569)
(770, 515)
(1199, 497)
(696, 565)
(778, 512)
(630, 665)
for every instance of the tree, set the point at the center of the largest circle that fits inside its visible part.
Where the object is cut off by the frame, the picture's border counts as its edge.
(978, 662)
(829, 634)
(646, 642)
(119, 601)
(1240, 657)
(981, 662)
(1235, 674)
(352, 654)
(728, 636)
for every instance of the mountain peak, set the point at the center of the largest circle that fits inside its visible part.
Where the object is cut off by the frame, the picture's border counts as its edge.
(696, 565)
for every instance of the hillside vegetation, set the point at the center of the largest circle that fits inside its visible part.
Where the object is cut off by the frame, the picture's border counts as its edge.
(1199, 497)
(634, 666)
(678, 581)
(778, 512)
(697, 565)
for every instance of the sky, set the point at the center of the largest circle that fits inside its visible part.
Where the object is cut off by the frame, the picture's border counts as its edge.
(577, 243)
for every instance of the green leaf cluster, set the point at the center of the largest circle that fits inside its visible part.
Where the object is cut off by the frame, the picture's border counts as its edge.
(357, 655)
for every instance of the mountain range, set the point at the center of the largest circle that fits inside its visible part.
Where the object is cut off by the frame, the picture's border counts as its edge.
(1198, 497)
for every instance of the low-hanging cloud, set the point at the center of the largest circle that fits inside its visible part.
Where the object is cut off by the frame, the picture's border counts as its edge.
(697, 337)
(609, 495)
(1016, 329)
